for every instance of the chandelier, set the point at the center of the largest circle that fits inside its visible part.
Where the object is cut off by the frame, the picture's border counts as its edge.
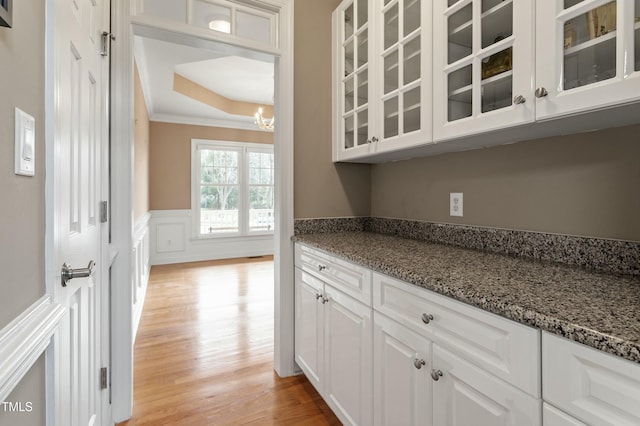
(264, 123)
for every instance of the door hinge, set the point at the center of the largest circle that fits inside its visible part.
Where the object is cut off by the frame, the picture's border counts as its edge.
(104, 211)
(104, 382)
(105, 45)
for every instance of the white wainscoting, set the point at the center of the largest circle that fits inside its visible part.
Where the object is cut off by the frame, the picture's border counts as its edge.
(171, 241)
(141, 268)
(24, 339)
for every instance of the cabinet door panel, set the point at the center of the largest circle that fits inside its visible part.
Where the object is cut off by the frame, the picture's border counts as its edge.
(591, 385)
(352, 90)
(402, 392)
(309, 327)
(348, 358)
(483, 61)
(583, 55)
(466, 395)
(404, 87)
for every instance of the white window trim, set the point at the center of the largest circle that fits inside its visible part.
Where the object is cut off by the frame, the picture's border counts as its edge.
(242, 147)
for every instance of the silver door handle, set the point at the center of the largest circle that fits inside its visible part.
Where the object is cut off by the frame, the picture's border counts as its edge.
(69, 274)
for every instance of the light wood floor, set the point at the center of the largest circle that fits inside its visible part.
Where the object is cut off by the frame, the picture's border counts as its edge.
(204, 351)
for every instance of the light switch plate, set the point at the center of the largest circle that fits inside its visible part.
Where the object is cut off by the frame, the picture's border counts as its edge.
(25, 135)
(455, 204)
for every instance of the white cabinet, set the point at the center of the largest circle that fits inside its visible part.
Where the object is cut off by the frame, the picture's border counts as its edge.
(334, 333)
(551, 416)
(483, 62)
(466, 395)
(421, 78)
(402, 388)
(381, 76)
(587, 55)
(484, 370)
(504, 348)
(594, 387)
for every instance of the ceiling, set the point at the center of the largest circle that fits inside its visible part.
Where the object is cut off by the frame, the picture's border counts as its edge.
(234, 77)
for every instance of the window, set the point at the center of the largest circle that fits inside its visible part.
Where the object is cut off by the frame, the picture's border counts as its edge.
(232, 188)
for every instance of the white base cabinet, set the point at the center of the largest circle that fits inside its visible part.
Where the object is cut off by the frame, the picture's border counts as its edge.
(384, 352)
(594, 387)
(466, 395)
(333, 340)
(402, 386)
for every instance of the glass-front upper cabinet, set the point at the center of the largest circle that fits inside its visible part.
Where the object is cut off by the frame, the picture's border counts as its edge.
(352, 91)
(403, 58)
(482, 66)
(588, 55)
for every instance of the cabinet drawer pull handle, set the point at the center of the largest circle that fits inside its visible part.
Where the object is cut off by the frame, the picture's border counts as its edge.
(541, 92)
(519, 99)
(436, 374)
(418, 363)
(427, 318)
(321, 268)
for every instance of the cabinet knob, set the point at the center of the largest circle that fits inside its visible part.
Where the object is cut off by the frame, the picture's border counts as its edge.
(519, 99)
(368, 140)
(436, 374)
(418, 363)
(427, 318)
(318, 296)
(324, 300)
(374, 139)
(321, 268)
(541, 92)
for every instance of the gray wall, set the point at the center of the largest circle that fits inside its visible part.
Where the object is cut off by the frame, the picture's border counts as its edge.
(322, 189)
(22, 205)
(586, 184)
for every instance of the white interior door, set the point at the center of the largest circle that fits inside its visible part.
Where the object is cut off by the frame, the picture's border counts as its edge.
(80, 82)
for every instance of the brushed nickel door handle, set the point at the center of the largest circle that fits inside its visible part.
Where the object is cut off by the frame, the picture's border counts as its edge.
(68, 274)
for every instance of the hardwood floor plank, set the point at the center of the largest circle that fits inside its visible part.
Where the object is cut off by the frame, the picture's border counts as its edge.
(204, 351)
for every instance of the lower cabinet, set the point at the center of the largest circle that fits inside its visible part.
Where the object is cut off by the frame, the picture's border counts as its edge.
(467, 395)
(333, 347)
(402, 385)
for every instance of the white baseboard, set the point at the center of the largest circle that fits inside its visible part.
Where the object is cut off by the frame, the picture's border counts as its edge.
(24, 339)
(171, 241)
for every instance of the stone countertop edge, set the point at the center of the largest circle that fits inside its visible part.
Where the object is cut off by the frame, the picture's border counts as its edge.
(539, 294)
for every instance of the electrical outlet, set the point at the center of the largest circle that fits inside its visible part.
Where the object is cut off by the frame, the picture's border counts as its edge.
(455, 204)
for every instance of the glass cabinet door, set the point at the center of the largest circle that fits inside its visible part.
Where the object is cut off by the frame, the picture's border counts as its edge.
(353, 75)
(587, 55)
(404, 55)
(483, 57)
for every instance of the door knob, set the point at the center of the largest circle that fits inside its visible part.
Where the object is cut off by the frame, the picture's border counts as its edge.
(519, 99)
(69, 274)
(436, 374)
(427, 318)
(541, 92)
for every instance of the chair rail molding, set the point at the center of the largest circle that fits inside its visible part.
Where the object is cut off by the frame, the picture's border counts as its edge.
(24, 339)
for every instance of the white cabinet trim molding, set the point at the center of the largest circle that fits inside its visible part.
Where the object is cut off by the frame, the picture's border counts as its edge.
(141, 268)
(24, 339)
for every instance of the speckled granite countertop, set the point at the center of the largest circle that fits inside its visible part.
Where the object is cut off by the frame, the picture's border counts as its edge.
(599, 310)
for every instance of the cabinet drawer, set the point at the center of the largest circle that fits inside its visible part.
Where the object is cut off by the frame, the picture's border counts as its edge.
(508, 350)
(349, 278)
(593, 386)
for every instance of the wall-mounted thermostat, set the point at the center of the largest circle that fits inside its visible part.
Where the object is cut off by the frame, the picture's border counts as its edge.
(25, 143)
